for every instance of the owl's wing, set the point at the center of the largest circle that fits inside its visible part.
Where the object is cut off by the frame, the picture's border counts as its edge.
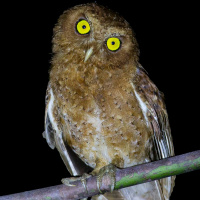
(48, 134)
(157, 119)
(54, 138)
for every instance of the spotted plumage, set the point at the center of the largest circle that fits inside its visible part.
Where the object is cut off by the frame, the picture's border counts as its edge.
(101, 106)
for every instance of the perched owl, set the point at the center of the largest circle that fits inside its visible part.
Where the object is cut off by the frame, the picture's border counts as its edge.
(101, 106)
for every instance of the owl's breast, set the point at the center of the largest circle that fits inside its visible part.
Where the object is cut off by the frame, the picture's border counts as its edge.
(102, 119)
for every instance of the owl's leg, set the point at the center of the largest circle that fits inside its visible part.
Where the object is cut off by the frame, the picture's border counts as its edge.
(69, 181)
(110, 170)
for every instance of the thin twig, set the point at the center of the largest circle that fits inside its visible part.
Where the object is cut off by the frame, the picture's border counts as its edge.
(124, 178)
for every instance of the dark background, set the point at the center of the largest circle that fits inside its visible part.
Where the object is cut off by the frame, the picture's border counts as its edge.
(168, 37)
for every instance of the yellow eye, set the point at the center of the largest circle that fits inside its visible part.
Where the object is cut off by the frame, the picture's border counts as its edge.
(113, 44)
(83, 27)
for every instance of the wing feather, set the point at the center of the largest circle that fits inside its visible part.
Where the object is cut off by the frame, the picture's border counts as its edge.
(158, 122)
(48, 134)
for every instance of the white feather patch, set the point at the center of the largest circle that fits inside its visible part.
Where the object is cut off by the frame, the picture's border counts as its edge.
(58, 134)
(143, 106)
(50, 111)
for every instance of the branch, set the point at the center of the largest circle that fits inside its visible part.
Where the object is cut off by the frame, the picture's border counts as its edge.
(124, 178)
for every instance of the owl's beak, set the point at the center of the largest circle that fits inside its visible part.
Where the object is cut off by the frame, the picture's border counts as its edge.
(88, 53)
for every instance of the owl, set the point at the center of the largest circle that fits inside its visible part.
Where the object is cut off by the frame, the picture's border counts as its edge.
(101, 107)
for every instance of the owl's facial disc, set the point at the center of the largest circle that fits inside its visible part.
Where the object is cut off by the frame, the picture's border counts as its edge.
(88, 53)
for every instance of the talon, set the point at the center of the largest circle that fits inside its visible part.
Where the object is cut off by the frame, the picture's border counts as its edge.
(110, 170)
(68, 181)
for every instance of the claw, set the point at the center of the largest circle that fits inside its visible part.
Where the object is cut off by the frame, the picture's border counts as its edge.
(110, 170)
(68, 181)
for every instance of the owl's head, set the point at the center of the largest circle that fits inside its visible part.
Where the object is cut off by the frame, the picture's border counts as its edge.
(94, 35)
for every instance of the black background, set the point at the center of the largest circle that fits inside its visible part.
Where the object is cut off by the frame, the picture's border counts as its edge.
(168, 37)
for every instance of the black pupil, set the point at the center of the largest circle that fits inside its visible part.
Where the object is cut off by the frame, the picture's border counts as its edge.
(113, 43)
(84, 26)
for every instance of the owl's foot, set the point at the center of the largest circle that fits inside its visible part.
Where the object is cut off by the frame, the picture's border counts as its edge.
(110, 170)
(69, 181)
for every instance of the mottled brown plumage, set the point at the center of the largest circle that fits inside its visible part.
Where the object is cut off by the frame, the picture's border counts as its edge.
(105, 110)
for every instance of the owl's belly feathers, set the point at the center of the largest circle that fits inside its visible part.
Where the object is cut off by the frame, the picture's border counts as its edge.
(102, 119)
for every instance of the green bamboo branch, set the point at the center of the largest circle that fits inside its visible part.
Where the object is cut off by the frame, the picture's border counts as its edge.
(124, 178)
(160, 169)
